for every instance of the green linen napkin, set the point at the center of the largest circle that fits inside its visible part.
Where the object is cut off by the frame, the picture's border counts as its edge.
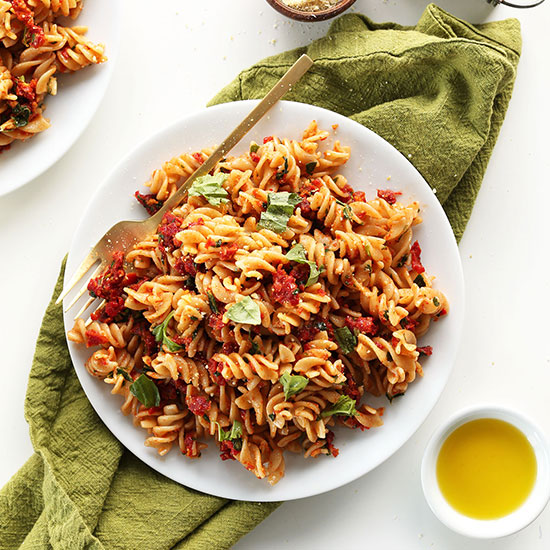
(438, 92)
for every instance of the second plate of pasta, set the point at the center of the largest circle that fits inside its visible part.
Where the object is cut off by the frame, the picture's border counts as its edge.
(56, 60)
(297, 316)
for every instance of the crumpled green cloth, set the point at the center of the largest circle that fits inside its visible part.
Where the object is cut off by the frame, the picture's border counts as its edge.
(438, 92)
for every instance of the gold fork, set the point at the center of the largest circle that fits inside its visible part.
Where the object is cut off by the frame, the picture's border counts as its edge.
(124, 234)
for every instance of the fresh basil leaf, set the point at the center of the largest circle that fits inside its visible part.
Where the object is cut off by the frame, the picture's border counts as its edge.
(20, 115)
(171, 346)
(310, 167)
(346, 339)
(281, 174)
(125, 374)
(435, 301)
(348, 214)
(293, 384)
(254, 147)
(345, 406)
(159, 332)
(419, 280)
(246, 311)
(255, 349)
(212, 302)
(392, 397)
(210, 187)
(235, 432)
(403, 260)
(298, 254)
(146, 391)
(280, 206)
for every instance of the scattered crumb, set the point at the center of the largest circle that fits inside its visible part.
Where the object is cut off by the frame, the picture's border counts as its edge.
(273, 41)
(388, 178)
(335, 127)
(231, 37)
(434, 190)
(409, 155)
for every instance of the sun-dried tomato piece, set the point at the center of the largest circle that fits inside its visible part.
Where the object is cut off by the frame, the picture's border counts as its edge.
(94, 338)
(168, 229)
(426, 350)
(284, 289)
(228, 251)
(150, 202)
(388, 195)
(366, 325)
(228, 451)
(330, 438)
(416, 264)
(198, 405)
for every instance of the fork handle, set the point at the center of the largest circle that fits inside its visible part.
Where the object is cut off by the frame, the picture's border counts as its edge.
(279, 90)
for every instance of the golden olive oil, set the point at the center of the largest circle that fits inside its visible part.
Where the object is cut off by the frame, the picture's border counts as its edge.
(486, 468)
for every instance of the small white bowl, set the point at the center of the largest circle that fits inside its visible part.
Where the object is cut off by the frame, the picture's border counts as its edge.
(494, 528)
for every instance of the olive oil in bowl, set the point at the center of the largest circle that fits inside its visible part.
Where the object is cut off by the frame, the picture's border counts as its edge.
(486, 468)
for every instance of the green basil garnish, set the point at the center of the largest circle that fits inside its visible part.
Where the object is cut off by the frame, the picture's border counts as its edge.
(346, 339)
(280, 206)
(20, 115)
(246, 312)
(212, 302)
(210, 187)
(125, 374)
(298, 254)
(159, 332)
(345, 406)
(310, 167)
(146, 391)
(293, 384)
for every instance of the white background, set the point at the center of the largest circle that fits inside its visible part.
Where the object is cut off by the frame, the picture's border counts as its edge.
(173, 59)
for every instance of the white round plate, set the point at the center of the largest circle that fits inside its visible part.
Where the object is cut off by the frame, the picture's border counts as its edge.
(372, 161)
(76, 102)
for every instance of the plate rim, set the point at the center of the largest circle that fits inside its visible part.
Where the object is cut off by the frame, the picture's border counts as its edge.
(153, 460)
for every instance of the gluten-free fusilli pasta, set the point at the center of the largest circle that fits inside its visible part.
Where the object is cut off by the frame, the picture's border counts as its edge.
(264, 307)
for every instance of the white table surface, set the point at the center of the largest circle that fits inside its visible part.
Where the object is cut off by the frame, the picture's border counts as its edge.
(174, 61)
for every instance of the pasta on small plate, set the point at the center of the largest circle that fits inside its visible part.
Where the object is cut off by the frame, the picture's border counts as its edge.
(56, 60)
(281, 318)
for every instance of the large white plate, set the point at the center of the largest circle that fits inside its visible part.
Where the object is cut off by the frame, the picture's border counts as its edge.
(71, 110)
(372, 161)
